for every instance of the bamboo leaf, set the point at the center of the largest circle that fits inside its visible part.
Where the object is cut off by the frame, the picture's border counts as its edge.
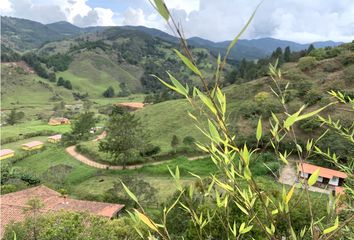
(162, 9)
(310, 114)
(131, 195)
(242, 208)
(313, 178)
(259, 130)
(147, 221)
(179, 88)
(234, 41)
(247, 229)
(290, 194)
(331, 229)
(188, 63)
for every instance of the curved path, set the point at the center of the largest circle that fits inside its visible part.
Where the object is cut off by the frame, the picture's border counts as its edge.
(72, 151)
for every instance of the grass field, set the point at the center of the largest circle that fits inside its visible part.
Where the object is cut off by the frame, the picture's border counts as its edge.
(16, 146)
(39, 163)
(30, 127)
(163, 120)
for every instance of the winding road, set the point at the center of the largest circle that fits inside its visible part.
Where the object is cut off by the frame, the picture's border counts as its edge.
(72, 151)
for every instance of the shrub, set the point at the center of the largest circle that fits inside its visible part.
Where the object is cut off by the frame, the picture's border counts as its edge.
(188, 140)
(347, 58)
(307, 63)
(349, 74)
(312, 97)
(309, 125)
(331, 66)
(8, 188)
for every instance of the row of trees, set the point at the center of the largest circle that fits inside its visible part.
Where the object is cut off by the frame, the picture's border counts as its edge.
(249, 70)
(65, 83)
(124, 91)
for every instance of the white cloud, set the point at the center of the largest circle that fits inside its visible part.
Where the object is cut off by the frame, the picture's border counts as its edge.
(75, 11)
(5, 7)
(298, 20)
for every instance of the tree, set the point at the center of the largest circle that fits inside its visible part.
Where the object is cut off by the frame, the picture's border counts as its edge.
(174, 142)
(82, 125)
(141, 188)
(310, 48)
(60, 81)
(14, 117)
(57, 174)
(188, 140)
(52, 77)
(34, 207)
(287, 54)
(109, 92)
(125, 139)
(124, 90)
(67, 85)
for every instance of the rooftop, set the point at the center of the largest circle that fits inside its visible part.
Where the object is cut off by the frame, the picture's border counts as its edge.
(32, 144)
(131, 104)
(324, 172)
(4, 152)
(55, 137)
(12, 204)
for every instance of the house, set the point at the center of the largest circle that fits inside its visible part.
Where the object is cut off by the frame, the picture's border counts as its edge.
(55, 138)
(6, 153)
(13, 204)
(34, 145)
(326, 176)
(58, 121)
(130, 105)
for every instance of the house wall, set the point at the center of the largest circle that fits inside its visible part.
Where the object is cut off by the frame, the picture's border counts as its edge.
(334, 181)
(7, 156)
(304, 175)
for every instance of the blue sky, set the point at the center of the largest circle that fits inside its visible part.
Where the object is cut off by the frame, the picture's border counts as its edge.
(296, 20)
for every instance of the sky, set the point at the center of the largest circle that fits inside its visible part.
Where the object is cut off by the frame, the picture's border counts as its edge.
(302, 21)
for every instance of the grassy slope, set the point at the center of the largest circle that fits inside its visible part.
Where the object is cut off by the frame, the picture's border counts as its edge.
(94, 72)
(166, 119)
(30, 127)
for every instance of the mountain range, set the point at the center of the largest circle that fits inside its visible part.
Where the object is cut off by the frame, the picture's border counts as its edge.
(23, 35)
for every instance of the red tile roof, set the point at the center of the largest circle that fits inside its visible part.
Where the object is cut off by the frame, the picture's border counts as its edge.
(324, 172)
(12, 205)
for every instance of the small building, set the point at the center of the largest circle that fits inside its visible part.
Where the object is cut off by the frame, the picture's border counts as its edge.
(130, 105)
(58, 121)
(34, 145)
(326, 176)
(6, 153)
(55, 138)
(12, 205)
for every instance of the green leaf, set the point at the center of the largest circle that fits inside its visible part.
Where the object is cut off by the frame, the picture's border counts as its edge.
(188, 63)
(247, 173)
(259, 130)
(246, 230)
(179, 88)
(146, 220)
(213, 131)
(283, 157)
(310, 114)
(206, 101)
(131, 195)
(162, 9)
(292, 118)
(242, 209)
(331, 229)
(234, 41)
(313, 178)
(290, 194)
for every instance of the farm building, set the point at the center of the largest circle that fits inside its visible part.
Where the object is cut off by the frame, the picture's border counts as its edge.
(34, 145)
(12, 205)
(6, 153)
(130, 105)
(58, 121)
(55, 138)
(326, 176)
